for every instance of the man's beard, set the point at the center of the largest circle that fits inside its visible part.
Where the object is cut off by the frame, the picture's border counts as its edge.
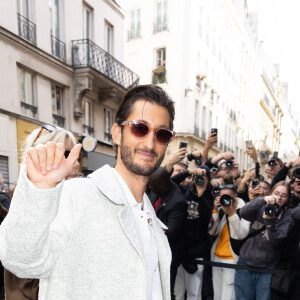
(127, 158)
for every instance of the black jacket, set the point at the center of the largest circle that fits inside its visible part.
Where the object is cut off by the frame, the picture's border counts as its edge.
(262, 249)
(196, 237)
(172, 212)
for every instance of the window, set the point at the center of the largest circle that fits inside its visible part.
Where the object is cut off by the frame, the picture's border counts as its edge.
(203, 123)
(58, 47)
(108, 122)
(161, 21)
(26, 92)
(196, 127)
(87, 23)
(26, 26)
(88, 120)
(57, 105)
(134, 31)
(4, 172)
(159, 73)
(108, 38)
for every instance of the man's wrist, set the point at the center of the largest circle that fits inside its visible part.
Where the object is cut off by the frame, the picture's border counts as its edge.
(237, 177)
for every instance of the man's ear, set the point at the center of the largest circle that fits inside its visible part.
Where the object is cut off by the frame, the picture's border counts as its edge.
(116, 134)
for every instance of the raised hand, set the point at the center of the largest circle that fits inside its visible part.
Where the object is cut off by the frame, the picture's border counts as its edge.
(47, 165)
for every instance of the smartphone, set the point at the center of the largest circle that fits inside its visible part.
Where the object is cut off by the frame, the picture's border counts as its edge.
(250, 165)
(255, 183)
(249, 144)
(183, 144)
(214, 130)
(275, 154)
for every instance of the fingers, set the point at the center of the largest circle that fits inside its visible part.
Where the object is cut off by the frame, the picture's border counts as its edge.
(32, 157)
(59, 155)
(50, 146)
(42, 154)
(74, 154)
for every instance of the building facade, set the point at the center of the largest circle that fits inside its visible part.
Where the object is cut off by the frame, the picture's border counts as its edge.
(61, 63)
(206, 54)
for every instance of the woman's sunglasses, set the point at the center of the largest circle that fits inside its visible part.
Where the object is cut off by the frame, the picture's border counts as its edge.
(141, 130)
(48, 127)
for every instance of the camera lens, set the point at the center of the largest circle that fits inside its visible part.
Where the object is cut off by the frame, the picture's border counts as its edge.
(272, 163)
(296, 172)
(225, 200)
(198, 160)
(200, 180)
(229, 164)
(271, 210)
(216, 191)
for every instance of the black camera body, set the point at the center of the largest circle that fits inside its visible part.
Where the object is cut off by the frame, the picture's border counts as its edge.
(229, 164)
(296, 172)
(271, 210)
(226, 200)
(200, 180)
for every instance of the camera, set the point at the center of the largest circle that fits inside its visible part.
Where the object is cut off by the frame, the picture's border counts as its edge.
(271, 210)
(272, 162)
(226, 200)
(198, 160)
(229, 164)
(200, 180)
(296, 172)
(216, 191)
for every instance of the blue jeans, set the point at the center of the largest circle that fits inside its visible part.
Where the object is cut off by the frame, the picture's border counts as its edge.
(251, 285)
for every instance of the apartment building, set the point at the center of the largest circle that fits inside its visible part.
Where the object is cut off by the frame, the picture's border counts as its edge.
(206, 54)
(61, 63)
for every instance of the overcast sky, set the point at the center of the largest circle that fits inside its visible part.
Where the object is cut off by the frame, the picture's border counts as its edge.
(278, 27)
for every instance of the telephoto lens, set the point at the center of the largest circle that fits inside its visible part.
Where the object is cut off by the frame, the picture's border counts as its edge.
(200, 180)
(229, 164)
(271, 210)
(225, 200)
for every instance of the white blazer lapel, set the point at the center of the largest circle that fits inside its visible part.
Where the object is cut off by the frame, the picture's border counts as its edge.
(128, 224)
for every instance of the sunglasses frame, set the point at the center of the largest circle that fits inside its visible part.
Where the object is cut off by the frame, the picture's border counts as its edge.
(48, 127)
(133, 122)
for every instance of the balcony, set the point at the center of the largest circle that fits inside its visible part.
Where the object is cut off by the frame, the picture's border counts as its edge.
(58, 48)
(160, 24)
(134, 34)
(27, 29)
(58, 120)
(159, 75)
(86, 53)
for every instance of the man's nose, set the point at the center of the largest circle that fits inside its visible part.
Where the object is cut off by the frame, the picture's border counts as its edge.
(150, 140)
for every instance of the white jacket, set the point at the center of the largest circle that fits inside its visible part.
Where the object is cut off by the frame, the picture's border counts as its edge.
(239, 229)
(80, 239)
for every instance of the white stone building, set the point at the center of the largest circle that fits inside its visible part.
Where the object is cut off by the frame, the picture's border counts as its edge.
(61, 63)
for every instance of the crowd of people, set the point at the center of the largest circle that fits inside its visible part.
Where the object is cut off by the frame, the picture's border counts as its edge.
(109, 236)
(223, 216)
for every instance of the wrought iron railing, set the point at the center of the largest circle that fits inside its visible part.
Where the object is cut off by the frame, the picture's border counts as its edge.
(134, 34)
(89, 129)
(86, 53)
(27, 29)
(108, 136)
(58, 120)
(29, 107)
(160, 24)
(58, 48)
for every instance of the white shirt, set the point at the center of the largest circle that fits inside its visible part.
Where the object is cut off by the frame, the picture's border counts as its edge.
(143, 219)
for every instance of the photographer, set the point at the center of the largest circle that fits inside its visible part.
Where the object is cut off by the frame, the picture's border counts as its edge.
(270, 224)
(284, 170)
(274, 165)
(225, 224)
(199, 200)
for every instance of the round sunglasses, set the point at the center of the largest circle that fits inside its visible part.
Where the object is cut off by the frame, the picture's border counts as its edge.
(141, 130)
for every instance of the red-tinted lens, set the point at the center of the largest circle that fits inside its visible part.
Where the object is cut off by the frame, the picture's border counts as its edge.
(163, 136)
(139, 129)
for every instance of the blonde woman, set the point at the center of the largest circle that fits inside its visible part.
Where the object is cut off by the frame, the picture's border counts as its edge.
(22, 288)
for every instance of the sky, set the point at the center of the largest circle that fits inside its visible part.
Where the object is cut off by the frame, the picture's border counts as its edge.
(278, 28)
